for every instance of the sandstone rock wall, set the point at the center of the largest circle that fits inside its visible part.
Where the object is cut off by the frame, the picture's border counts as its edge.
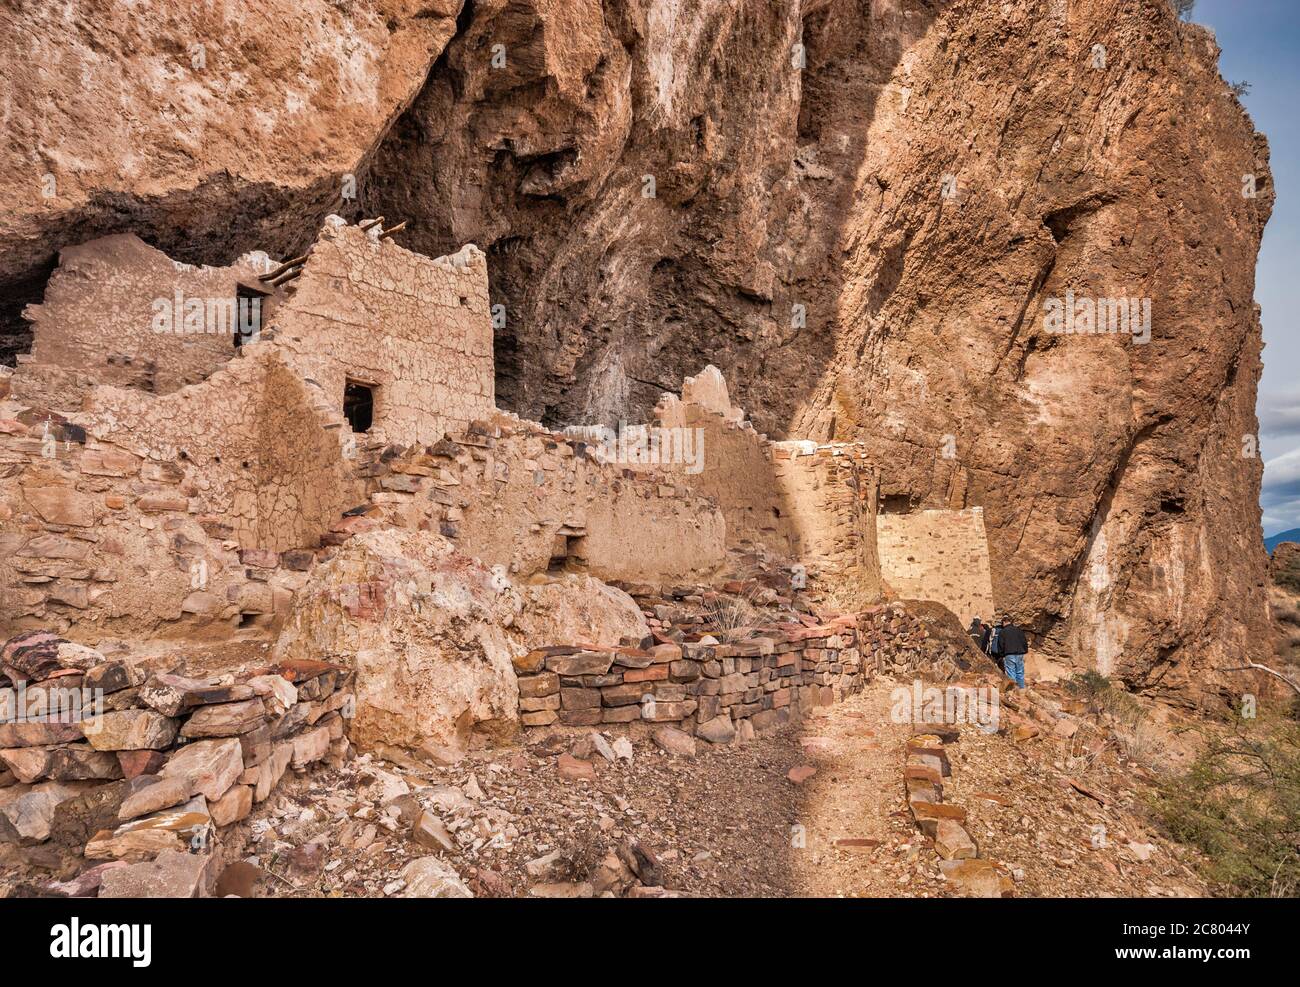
(209, 129)
(862, 234)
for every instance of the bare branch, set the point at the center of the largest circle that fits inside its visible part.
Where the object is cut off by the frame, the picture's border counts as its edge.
(1251, 665)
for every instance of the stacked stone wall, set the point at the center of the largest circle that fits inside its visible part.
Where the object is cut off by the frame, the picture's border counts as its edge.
(718, 691)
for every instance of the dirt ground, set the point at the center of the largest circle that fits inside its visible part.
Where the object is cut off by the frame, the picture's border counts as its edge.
(727, 822)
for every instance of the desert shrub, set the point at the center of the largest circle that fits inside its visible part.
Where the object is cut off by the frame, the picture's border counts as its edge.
(1089, 687)
(1239, 804)
(728, 615)
(1287, 577)
(1134, 734)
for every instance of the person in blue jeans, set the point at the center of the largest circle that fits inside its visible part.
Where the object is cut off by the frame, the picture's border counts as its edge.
(1012, 647)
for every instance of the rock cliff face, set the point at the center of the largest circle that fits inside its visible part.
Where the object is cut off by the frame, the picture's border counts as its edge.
(861, 210)
(208, 127)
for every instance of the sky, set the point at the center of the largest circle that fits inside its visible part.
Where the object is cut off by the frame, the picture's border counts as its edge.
(1260, 42)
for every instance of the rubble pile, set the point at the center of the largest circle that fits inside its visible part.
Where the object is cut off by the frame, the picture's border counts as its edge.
(140, 772)
(917, 638)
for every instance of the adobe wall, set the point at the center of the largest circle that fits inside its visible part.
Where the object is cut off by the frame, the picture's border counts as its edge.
(167, 514)
(830, 492)
(938, 555)
(102, 311)
(811, 504)
(417, 328)
(511, 493)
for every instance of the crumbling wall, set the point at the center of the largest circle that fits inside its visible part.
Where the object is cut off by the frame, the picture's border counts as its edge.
(814, 505)
(938, 555)
(514, 494)
(417, 330)
(168, 514)
(117, 311)
(830, 492)
(304, 478)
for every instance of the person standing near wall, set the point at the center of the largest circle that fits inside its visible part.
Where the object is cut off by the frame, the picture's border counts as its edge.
(1012, 646)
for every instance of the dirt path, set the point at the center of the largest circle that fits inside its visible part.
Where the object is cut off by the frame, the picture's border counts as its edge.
(727, 822)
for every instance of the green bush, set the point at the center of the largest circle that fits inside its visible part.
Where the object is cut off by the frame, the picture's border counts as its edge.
(1239, 804)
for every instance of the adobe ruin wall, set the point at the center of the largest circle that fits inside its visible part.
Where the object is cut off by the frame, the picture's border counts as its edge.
(941, 556)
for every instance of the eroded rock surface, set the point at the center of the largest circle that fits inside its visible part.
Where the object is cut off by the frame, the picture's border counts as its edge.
(865, 247)
(207, 128)
(423, 626)
(857, 209)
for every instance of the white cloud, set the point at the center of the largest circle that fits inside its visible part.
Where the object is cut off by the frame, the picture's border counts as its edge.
(1280, 493)
(1279, 414)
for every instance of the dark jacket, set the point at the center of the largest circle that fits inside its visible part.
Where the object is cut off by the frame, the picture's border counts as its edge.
(1012, 641)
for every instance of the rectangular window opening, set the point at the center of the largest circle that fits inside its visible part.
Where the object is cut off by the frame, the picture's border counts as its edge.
(359, 405)
(568, 554)
(249, 304)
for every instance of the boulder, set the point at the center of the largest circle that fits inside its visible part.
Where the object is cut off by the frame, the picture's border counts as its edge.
(674, 741)
(719, 730)
(130, 729)
(429, 877)
(171, 874)
(428, 639)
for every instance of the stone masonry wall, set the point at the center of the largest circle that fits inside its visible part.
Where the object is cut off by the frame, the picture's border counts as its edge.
(140, 771)
(415, 328)
(98, 322)
(812, 504)
(717, 691)
(938, 555)
(187, 513)
(512, 493)
(830, 491)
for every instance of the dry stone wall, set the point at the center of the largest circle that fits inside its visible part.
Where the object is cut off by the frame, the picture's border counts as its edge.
(415, 329)
(142, 772)
(916, 639)
(719, 691)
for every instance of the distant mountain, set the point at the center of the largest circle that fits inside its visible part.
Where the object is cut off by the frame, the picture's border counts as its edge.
(1273, 541)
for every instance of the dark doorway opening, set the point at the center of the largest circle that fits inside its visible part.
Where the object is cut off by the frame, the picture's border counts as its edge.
(249, 310)
(568, 552)
(359, 405)
(895, 504)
